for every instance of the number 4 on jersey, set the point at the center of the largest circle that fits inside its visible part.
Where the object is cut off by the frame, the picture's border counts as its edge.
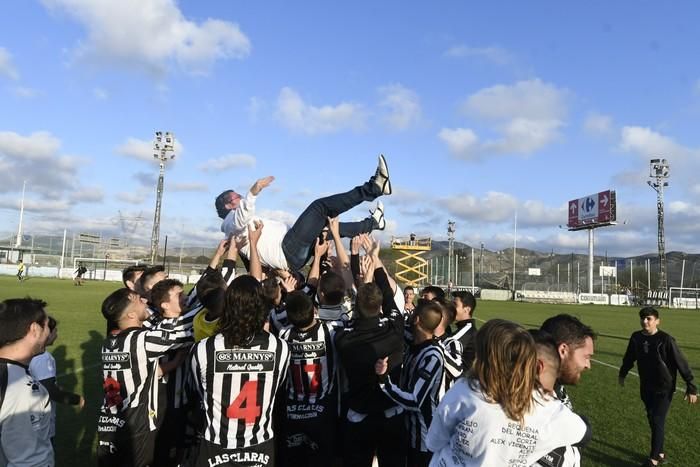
(245, 405)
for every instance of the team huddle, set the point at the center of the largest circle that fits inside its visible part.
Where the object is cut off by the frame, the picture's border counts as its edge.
(335, 367)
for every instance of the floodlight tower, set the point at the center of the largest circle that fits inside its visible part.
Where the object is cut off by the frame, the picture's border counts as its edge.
(659, 170)
(163, 144)
(450, 249)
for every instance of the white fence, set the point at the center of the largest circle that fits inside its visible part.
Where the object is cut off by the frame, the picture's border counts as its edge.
(98, 274)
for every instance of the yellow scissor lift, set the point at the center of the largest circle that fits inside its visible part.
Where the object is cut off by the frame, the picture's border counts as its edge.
(411, 266)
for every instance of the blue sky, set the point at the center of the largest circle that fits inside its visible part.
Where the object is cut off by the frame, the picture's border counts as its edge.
(481, 110)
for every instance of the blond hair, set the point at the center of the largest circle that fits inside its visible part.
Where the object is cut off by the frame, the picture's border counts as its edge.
(506, 367)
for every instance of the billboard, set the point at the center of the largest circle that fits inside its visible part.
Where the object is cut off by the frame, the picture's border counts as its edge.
(591, 211)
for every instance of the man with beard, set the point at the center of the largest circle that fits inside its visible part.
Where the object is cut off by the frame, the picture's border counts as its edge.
(575, 346)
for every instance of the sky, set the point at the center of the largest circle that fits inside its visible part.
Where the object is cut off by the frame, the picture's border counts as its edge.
(482, 109)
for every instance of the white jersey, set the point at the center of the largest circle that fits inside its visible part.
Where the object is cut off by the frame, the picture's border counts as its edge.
(467, 430)
(25, 418)
(270, 244)
(43, 366)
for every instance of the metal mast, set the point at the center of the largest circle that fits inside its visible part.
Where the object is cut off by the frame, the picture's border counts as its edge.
(450, 250)
(163, 144)
(659, 172)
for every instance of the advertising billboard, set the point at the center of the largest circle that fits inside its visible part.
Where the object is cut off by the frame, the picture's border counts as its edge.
(592, 211)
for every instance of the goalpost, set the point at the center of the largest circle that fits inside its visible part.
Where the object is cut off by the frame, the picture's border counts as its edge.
(103, 268)
(684, 297)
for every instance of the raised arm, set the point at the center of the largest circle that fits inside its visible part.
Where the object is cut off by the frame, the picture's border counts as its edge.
(246, 208)
(254, 236)
(343, 258)
(320, 249)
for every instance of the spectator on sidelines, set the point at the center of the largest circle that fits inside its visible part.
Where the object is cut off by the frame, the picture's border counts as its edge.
(43, 369)
(78, 274)
(485, 417)
(25, 409)
(20, 270)
(658, 360)
(290, 248)
(575, 344)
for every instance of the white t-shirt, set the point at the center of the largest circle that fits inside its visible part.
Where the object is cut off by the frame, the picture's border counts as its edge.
(467, 430)
(270, 244)
(43, 366)
(24, 418)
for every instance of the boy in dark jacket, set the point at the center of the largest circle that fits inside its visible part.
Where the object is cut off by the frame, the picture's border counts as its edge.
(658, 360)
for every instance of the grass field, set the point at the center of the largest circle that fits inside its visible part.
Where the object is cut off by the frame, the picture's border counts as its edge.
(620, 432)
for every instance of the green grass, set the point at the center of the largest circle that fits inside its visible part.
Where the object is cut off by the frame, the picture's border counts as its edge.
(620, 432)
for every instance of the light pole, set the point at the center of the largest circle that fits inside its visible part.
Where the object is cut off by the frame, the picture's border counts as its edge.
(450, 250)
(163, 144)
(659, 172)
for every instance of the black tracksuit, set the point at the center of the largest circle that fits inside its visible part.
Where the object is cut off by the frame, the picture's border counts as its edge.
(359, 346)
(658, 360)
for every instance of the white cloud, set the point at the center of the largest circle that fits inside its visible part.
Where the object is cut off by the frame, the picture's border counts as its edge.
(527, 116)
(494, 207)
(229, 161)
(650, 144)
(146, 179)
(137, 148)
(297, 115)
(40, 145)
(137, 197)
(25, 92)
(142, 150)
(494, 54)
(33, 205)
(461, 142)
(402, 104)
(151, 34)
(88, 194)
(255, 108)
(7, 68)
(100, 94)
(598, 124)
(187, 186)
(532, 100)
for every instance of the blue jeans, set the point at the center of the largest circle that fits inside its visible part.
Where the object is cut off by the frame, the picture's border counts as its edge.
(299, 241)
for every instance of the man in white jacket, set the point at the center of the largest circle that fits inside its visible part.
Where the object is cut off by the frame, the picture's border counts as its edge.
(281, 247)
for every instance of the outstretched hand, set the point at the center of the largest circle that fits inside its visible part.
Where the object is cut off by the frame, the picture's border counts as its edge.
(261, 183)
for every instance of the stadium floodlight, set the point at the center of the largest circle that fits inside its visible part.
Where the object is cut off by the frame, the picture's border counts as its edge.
(162, 146)
(659, 172)
(450, 250)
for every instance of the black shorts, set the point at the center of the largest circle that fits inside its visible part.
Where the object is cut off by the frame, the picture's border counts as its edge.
(213, 455)
(310, 431)
(121, 446)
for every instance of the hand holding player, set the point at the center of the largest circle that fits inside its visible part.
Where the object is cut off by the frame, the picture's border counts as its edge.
(381, 366)
(254, 234)
(355, 244)
(289, 283)
(321, 248)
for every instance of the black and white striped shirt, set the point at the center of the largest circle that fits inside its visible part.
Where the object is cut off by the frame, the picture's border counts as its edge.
(312, 375)
(129, 366)
(419, 390)
(238, 387)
